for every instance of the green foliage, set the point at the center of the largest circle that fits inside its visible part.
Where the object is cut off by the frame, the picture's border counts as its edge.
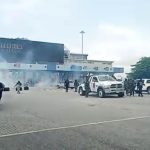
(141, 69)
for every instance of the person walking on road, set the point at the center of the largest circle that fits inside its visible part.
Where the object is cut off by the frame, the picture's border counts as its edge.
(1, 90)
(76, 84)
(66, 85)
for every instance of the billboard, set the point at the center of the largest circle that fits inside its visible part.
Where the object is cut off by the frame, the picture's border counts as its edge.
(26, 51)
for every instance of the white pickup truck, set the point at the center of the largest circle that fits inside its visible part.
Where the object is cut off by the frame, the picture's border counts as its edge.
(103, 85)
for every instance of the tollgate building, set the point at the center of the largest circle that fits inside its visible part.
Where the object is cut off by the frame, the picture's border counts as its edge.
(38, 62)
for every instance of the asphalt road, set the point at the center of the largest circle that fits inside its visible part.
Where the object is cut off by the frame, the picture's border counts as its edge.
(50, 119)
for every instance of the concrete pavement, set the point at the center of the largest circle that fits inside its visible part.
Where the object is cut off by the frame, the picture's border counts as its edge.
(40, 109)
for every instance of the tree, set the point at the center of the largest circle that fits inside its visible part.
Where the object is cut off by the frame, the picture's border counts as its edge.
(141, 69)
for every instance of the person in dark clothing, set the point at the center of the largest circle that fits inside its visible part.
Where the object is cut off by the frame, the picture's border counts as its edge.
(140, 87)
(126, 86)
(133, 88)
(87, 87)
(66, 85)
(76, 84)
(18, 87)
(132, 85)
(1, 90)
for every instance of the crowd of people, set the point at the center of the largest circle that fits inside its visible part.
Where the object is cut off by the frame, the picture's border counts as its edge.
(130, 85)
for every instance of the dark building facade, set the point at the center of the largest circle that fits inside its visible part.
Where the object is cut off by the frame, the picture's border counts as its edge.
(26, 51)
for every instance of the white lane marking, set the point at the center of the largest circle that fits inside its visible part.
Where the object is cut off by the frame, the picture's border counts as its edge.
(74, 126)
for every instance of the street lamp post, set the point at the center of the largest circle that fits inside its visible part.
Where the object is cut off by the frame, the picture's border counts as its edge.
(82, 32)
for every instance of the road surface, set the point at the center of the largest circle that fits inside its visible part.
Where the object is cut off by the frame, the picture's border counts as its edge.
(51, 119)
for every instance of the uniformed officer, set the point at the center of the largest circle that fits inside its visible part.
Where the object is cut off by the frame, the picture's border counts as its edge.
(76, 84)
(87, 87)
(126, 86)
(66, 85)
(140, 87)
(132, 86)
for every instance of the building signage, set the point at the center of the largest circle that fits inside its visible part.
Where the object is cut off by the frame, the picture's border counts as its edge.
(26, 51)
(10, 46)
(80, 67)
(20, 66)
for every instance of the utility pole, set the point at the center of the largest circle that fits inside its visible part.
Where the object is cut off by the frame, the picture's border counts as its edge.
(82, 33)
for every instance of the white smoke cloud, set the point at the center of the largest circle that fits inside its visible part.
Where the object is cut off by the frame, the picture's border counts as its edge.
(6, 75)
(28, 58)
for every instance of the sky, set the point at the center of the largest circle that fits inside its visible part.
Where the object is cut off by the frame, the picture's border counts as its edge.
(115, 30)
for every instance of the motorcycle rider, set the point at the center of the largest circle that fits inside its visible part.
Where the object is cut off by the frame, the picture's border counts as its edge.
(18, 87)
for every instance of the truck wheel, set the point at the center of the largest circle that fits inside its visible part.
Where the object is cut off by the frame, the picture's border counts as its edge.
(148, 90)
(81, 92)
(101, 93)
(120, 94)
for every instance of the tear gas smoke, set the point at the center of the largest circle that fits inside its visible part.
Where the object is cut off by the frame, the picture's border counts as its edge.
(33, 77)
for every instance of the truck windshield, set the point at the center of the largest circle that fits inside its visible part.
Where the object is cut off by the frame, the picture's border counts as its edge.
(106, 78)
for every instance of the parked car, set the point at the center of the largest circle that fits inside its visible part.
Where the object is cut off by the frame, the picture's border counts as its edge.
(62, 84)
